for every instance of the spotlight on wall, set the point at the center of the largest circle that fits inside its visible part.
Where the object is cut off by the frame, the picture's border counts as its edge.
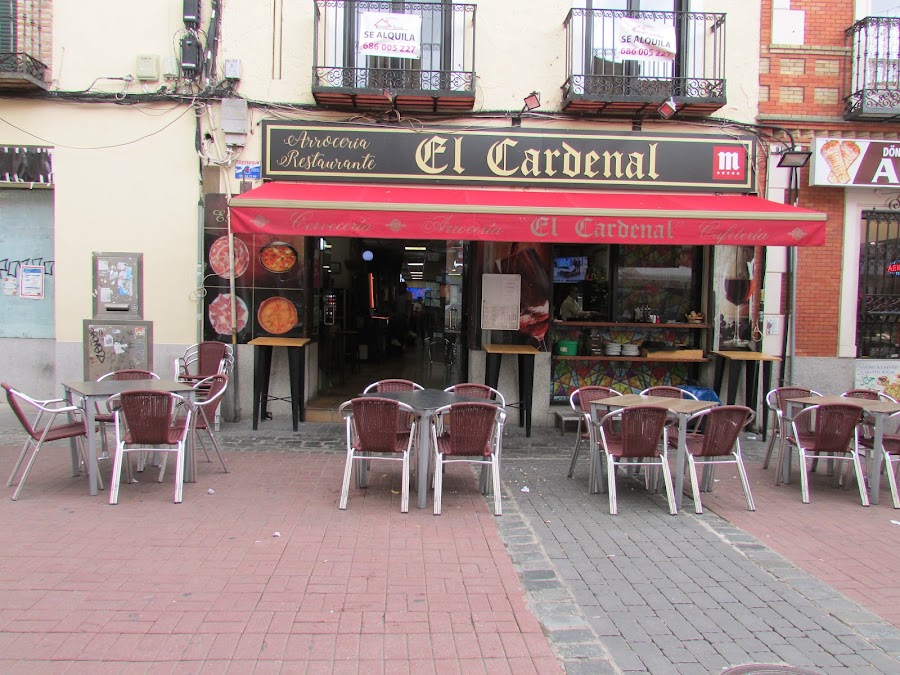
(667, 108)
(794, 158)
(532, 101)
(367, 256)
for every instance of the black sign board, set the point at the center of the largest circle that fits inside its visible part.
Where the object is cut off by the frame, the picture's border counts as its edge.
(305, 151)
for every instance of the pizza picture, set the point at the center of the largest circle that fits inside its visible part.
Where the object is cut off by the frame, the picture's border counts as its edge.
(218, 257)
(278, 257)
(220, 314)
(277, 315)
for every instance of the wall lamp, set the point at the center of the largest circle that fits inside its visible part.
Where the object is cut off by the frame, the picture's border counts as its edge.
(667, 108)
(532, 101)
(793, 158)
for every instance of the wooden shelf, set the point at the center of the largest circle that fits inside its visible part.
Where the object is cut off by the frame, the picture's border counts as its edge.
(629, 358)
(613, 324)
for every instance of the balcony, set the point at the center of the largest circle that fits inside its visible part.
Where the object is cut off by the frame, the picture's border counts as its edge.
(875, 70)
(682, 58)
(23, 28)
(440, 80)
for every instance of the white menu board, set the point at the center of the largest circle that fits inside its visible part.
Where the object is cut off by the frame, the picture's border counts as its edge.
(500, 296)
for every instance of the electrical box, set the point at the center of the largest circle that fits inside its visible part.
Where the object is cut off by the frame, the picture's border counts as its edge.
(170, 67)
(234, 120)
(147, 67)
(191, 11)
(190, 55)
(232, 69)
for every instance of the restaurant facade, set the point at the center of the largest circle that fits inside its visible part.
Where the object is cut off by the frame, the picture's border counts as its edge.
(633, 179)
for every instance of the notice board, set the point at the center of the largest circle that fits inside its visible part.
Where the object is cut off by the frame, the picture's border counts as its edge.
(116, 345)
(500, 296)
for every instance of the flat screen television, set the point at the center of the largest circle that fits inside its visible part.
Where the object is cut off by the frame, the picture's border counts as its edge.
(569, 270)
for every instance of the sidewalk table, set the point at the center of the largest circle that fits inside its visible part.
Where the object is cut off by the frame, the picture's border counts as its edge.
(425, 402)
(683, 408)
(525, 354)
(262, 370)
(879, 410)
(91, 393)
(753, 361)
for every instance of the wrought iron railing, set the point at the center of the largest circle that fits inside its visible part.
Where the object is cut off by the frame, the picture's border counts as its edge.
(446, 63)
(878, 304)
(875, 69)
(597, 70)
(25, 39)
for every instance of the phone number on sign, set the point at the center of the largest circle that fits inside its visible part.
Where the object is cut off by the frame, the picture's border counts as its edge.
(385, 47)
(643, 51)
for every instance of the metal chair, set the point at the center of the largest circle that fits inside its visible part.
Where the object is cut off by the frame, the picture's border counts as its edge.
(667, 391)
(477, 390)
(203, 360)
(383, 386)
(719, 443)
(890, 446)
(580, 402)
(146, 421)
(104, 418)
(641, 439)
(43, 429)
(776, 401)
(374, 427)
(477, 439)
(205, 410)
(827, 431)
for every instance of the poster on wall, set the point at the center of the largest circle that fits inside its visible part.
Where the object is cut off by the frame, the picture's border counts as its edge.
(881, 375)
(532, 263)
(737, 294)
(31, 282)
(500, 295)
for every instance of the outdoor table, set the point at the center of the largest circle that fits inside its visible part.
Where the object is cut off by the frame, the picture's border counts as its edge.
(92, 393)
(683, 408)
(525, 354)
(880, 410)
(424, 402)
(753, 362)
(262, 370)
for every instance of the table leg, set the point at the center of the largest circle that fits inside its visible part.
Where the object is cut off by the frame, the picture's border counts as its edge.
(526, 389)
(73, 442)
(190, 463)
(257, 382)
(93, 468)
(301, 383)
(719, 375)
(734, 374)
(424, 450)
(873, 465)
(492, 369)
(296, 393)
(767, 386)
(266, 376)
(680, 458)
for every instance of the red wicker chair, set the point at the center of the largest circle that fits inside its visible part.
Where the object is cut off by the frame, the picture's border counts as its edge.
(641, 439)
(205, 411)
(479, 443)
(776, 400)
(380, 427)
(580, 402)
(43, 429)
(146, 421)
(890, 446)
(104, 418)
(719, 443)
(826, 431)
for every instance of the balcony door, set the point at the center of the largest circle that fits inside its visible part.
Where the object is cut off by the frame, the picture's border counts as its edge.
(8, 27)
(879, 42)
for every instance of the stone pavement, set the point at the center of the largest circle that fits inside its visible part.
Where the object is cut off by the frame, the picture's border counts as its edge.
(259, 571)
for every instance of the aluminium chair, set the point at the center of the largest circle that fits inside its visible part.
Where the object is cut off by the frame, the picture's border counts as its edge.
(104, 418)
(641, 439)
(43, 428)
(477, 439)
(477, 390)
(718, 443)
(205, 410)
(776, 401)
(826, 431)
(146, 421)
(580, 402)
(890, 447)
(389, 385)
(378, 429)
(202, 360)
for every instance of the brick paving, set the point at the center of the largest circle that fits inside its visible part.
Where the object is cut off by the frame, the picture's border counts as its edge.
(265, 574)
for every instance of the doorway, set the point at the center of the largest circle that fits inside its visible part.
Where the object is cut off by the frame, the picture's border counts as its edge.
(389, 309)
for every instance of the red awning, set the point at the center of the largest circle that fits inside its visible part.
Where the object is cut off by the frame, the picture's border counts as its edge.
(519, 214)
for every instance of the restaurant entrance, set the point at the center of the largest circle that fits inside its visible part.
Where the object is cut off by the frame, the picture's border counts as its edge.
(388, 309)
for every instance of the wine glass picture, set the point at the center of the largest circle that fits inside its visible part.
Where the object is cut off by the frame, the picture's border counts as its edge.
(738, 288)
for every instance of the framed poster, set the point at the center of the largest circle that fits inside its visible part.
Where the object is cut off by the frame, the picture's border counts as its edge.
(500, 296)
